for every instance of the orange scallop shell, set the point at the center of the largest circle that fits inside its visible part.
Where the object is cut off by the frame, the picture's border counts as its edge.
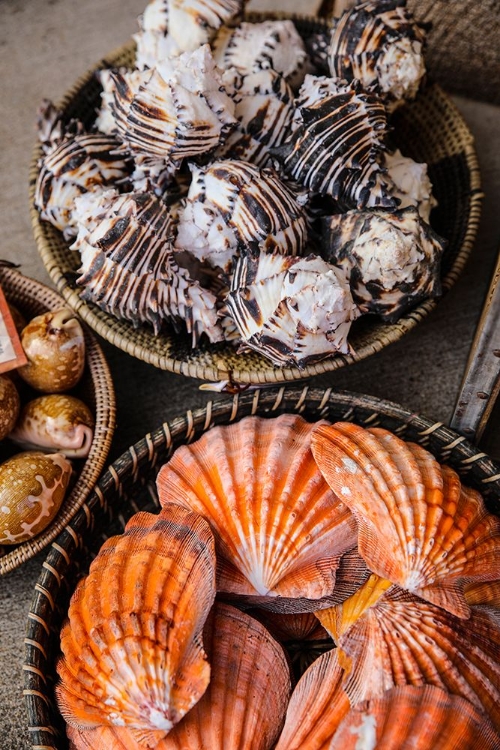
(483, 592)
(418, 526)
(280, 532)
(132, 648)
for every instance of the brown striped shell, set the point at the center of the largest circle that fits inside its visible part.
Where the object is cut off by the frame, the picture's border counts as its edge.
(234, 206)
(129, 268)
(379, 43)
(392, 259)
(418, 525)
(280, 534)
(132, 648)
(294, 311)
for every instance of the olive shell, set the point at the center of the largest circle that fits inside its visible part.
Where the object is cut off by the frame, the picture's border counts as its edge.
(55, 347)
(9, 405)
(32, 488)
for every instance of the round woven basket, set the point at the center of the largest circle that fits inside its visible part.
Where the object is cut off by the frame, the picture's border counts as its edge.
(96, 390)
(128, 486)
(429, 130)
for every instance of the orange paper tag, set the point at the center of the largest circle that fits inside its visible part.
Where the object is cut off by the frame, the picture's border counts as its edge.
(11, 352)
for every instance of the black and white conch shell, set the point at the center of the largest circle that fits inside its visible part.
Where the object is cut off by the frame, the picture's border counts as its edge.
(295, 311)
(88, 162)
(257, 46)
(234, 206)
(379, 43)
(264, 110)
(392, 259)
(179, 109)
(338, 139)
(129, 270)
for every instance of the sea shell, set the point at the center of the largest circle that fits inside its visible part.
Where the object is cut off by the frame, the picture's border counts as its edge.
(32, 488)
(393, 260)
(338, 138)
(257, 46)
(132, 650)
(10, 405)
(398, 639)
(379, 43)
(294, 311)
(55, 347)
(418, 526)
(55, 422)
(483, 592)
(129, 268)
(280, 534)
(234, 206)
(264, 110)
(410, 183)
(179, 109)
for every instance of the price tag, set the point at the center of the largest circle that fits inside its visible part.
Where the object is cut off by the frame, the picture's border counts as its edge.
(11, 352)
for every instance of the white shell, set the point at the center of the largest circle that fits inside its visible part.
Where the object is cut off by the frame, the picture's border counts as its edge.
(410, 183)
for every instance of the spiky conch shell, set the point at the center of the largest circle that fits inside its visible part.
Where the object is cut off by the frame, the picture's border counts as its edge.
(410, 183)
(129, 268)
(392, 259)
(132, 648)
(388, 637)
(234, 206)
(280, 534)
(337, 142)
(256, 46)
(294, 311)
(178, 110)
(418, 525)
(88, 162)
(264, 109)
(379, 43)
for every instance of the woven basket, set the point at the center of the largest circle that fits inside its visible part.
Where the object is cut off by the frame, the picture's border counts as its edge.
(128, 486)
(96, 390)
(430, 130)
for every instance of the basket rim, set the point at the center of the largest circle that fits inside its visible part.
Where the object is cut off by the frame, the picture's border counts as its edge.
(123, 335)
(13, 282)
(183, 429)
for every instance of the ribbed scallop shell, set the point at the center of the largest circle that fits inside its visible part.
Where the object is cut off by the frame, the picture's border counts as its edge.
(264, 110)
(379, 42)
(338, 139)
(483, 592)
(410, 717)
(233, 206)
(393, 260)
(280, 533)
(130, 271)
(418, 526)
(294, 311)
(399, 639)
(132, 651)
(179, 109)
(257, 46)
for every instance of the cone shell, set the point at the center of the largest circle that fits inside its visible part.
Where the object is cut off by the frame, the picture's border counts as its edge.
(132, 650)
(418, 526)
(279, 532)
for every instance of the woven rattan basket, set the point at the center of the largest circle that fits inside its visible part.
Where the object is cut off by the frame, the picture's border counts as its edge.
(430, 130)
(96, 389)
(128, 486)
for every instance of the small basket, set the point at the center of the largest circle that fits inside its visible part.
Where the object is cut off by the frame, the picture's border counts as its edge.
(430, 130)
(96, 389)
(128, 486)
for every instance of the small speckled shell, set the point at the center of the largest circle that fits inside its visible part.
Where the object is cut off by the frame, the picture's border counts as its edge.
(55, 347)
(32, 488)
(418, 526)
(10, 405)
(132, 646)
(56, 422)
(280, 535)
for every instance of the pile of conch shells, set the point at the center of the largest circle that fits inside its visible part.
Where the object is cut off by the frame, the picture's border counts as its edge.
(230, 141)
(272, 532)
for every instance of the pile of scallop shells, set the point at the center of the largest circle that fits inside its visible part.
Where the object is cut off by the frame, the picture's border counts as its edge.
(277, 532)
(240, 182)
(40, 414)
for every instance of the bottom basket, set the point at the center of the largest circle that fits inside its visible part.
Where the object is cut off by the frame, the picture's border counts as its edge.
(128, 486)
